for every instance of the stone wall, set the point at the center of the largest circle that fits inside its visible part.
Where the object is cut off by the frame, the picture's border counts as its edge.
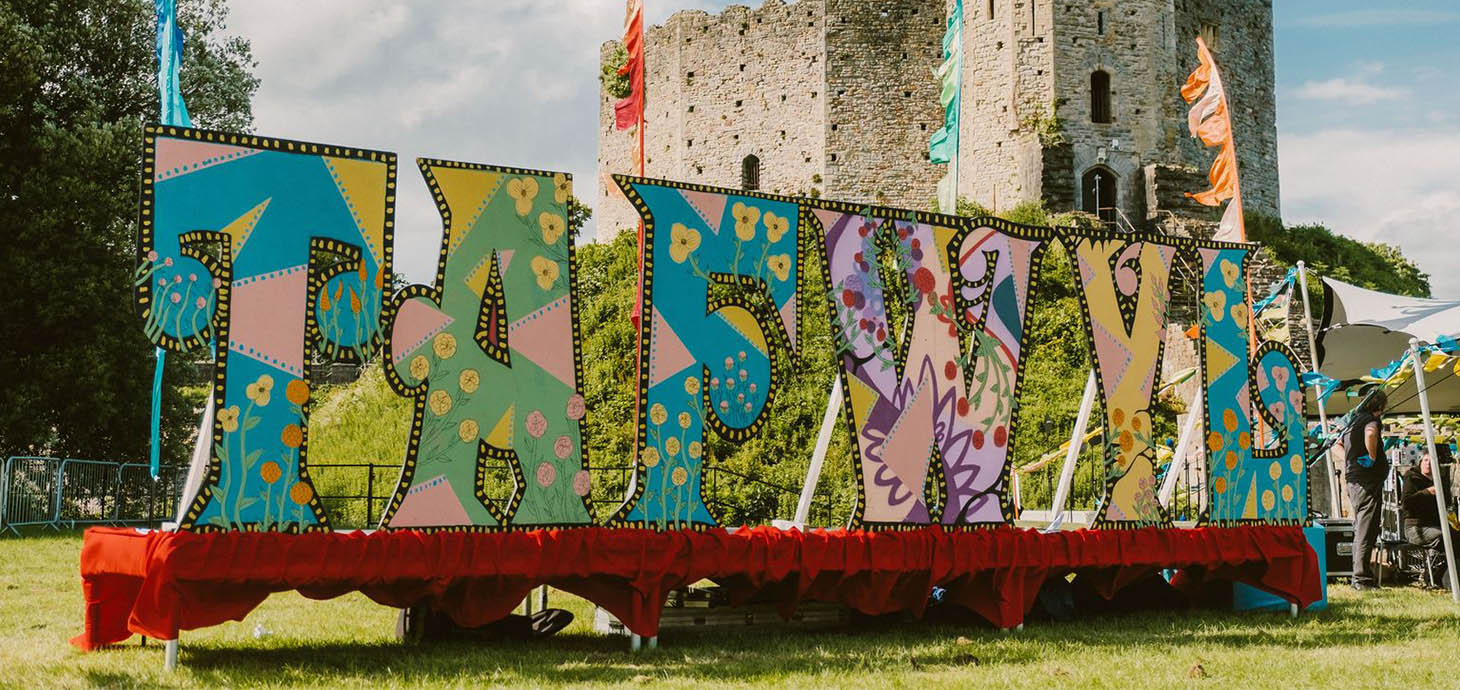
(882, 100)
(720, 88)
(1007, 84)
(836, 98)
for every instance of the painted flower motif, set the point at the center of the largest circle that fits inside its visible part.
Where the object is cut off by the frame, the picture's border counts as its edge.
(684, 420)
(729, 383)
(649, 456)
(546, 271)
(176, 298)
(536, 424)
(692, 385)
(752, 387)
(324, 300)
(679, 476)
(469, 380)
(1268, 500)
(259, 390)
(576, 407)
(671, 446)
(1219, 485)
(682, 241)
(297, 392)
(546, 474)
(1275, 470)
(444, 345)
(552, 226)
(747, 407)
(228, 417)
(695, 449)
(355, 305)
(658, 414)
(563, 447)
(1216, 305)
(300, 493)
(741, 355)
(562, 188)
(780, 265)
(292, 435)
(714, 382)
(1239, 315)
(270, 472)
(151, 255)
(745, 219)
(439, 402)
(775, 226)
(744, 374)
(729, 363)
(1295, 464)
(1287, 494)
(924, 281)
(1280, 377)
(420, 367)
(582, 483)
(468, 430)
(200, 302)
(1230, 272)
(522, 190)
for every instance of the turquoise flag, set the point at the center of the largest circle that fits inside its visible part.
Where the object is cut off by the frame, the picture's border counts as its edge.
(172, 111)
(944, 145)
(169, 58)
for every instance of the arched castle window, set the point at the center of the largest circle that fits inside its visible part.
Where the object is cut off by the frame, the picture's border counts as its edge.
(1100, 193)
(750, 173)
(1100, 96)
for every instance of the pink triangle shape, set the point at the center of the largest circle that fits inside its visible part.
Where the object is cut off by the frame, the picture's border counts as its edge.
(266, 319)
(788, 319)
(504, 257)
(431, 503)
(418, 320)
(545, 338)
(667, 353)
(176, 157)
(709, 205)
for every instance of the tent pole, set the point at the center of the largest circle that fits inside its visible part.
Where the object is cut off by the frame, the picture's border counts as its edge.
(1333, 497)
(1435, 469)
(1192, 429)
(1077, 437)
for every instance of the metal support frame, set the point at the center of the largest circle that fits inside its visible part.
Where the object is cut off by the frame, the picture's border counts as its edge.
(1424, 409)
(169, 659)
(1334, 499)
(818, 454)
(1067, 472)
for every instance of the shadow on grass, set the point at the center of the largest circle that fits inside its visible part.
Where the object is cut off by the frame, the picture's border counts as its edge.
(757, 654)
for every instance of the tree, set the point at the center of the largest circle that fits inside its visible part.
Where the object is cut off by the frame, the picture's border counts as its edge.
(79, 82)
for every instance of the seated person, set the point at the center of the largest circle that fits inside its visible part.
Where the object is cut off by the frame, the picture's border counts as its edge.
(1421, 514)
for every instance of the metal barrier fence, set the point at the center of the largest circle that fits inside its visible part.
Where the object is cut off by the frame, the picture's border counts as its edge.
(57, 492)
(354, 494)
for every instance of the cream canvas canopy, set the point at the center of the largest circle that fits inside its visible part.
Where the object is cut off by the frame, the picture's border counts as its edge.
(1363, 330)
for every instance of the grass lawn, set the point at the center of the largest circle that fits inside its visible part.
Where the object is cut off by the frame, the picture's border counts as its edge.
(1398, 637)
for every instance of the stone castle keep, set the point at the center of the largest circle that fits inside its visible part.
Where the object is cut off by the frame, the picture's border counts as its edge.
(1075, 102)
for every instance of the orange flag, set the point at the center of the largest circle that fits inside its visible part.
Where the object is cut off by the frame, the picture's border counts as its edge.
(1210, 121)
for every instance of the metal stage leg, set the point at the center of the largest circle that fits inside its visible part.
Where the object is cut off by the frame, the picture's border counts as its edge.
(169, 659)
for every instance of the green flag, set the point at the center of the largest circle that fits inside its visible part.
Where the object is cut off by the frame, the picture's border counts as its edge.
(943, 147)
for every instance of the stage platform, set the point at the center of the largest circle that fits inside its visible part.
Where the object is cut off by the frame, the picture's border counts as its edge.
(157, 583)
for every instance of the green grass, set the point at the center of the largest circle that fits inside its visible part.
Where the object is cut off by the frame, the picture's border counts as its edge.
(1396, 637)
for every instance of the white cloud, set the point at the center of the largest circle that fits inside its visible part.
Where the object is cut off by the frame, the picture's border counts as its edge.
(1395, 186)
(510, 82)
(1349, 91)
(1377, 17)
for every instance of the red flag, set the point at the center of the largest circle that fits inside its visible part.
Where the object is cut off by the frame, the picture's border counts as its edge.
(630, 111)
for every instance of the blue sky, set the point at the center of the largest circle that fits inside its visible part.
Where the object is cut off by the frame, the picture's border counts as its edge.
(1368, 104)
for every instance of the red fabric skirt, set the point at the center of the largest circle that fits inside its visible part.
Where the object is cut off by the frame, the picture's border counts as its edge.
(158, 583)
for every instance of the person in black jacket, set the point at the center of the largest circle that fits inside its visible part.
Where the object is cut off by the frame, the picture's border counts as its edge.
(1365, 468)
(1422, 521)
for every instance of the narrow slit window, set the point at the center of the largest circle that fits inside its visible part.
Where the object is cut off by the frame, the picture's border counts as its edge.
(1100, 96)
(750, 173)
